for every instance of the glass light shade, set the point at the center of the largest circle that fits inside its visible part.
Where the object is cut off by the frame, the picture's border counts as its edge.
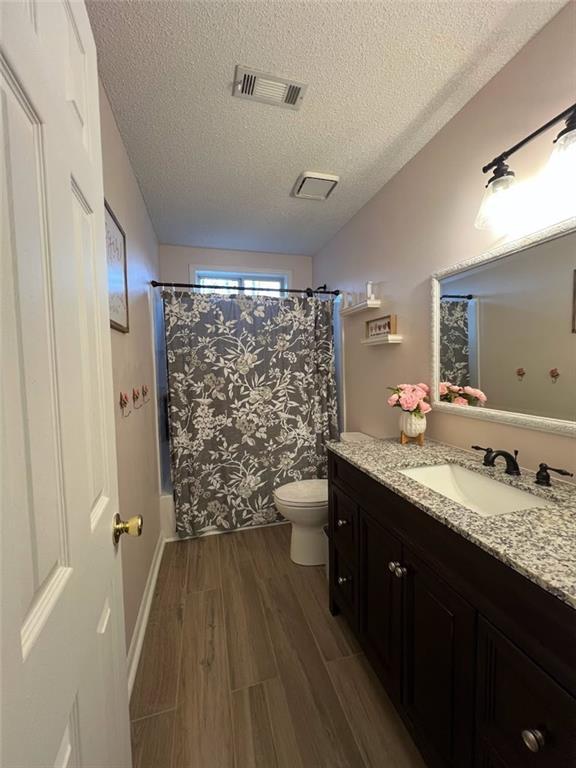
(561, 175)
(497, 204)
(564, 153)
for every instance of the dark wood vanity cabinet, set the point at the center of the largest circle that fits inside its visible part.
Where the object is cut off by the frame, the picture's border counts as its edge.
(519, 709)
(439, 659)
(380, 602)
(480, 662)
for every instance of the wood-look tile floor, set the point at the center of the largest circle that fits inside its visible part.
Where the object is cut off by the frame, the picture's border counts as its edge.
(244, 667)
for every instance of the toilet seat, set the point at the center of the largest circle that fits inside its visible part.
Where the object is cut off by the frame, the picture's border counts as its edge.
(303, 493)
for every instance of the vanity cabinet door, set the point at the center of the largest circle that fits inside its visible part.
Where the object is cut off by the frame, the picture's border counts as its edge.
(524, 718)
(439, 662)
(343, 515)
(381, 602)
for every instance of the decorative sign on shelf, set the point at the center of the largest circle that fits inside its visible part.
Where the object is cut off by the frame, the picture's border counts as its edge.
(381, 326)
(117, 271)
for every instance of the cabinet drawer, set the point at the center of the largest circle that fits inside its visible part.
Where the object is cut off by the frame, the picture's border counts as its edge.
(353, 480)
(524, 718)
(343, 524)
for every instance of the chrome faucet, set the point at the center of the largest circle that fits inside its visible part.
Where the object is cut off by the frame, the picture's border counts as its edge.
(512, 467)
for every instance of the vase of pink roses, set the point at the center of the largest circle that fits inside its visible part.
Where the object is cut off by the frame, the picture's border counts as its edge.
(413, 400)
(452, 393)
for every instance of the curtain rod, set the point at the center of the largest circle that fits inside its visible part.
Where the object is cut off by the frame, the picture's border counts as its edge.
(468, 296)
(307, 291)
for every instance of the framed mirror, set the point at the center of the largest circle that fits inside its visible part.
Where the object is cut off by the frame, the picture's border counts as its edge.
(504, 333)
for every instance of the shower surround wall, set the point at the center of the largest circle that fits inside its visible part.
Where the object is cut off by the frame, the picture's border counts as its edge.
(423, 219)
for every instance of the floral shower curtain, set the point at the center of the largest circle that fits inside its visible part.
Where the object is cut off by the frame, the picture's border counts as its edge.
(454, 342)
(252, 403)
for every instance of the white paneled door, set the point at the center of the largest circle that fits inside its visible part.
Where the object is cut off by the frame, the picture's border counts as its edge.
(63, 674)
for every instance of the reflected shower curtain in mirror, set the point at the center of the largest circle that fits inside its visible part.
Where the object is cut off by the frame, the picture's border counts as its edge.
(252, 403)
(457, 341)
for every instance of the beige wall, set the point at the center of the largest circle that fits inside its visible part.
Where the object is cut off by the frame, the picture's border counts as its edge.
(423, 219)
(175, 263)
(132, 362)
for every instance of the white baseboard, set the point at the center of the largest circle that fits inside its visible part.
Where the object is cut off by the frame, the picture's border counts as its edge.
(167, 516)
(143, 613)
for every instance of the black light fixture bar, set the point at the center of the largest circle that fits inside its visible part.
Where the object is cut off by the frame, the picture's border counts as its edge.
(570, 112)
(468, 296)
(308, 291)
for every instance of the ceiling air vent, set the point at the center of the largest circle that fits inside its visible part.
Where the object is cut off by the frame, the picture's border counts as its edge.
(315, 186)
(269, 89)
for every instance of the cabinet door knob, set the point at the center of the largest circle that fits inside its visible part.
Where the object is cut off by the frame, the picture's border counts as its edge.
(342, 522)
(343, 580)
(392, 565)
(533, 739)
(400, 571)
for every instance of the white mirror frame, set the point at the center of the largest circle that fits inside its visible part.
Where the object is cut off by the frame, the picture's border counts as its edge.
(541, 423)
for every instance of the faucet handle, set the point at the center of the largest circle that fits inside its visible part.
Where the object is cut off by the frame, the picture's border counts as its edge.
(487, 453)
(543, 474)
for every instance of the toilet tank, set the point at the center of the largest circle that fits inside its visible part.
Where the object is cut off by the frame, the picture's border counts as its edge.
(355, 437)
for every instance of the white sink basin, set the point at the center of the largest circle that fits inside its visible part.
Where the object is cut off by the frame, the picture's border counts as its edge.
(477, 492)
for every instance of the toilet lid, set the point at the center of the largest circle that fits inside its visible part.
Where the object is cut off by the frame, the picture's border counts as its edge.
(303, 492)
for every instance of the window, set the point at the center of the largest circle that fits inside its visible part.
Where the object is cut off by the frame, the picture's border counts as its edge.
(253, 283)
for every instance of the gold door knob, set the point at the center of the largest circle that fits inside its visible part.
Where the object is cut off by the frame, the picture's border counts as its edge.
(133, 527)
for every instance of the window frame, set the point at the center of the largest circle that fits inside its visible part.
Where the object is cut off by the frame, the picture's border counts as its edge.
(242, 276)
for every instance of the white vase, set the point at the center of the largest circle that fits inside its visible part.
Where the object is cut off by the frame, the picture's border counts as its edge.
(412, 425)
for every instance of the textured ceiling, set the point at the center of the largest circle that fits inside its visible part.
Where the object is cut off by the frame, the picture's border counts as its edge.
(383, 77)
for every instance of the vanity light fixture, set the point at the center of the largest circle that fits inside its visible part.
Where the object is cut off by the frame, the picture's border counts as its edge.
(499, 197)
(562, 163)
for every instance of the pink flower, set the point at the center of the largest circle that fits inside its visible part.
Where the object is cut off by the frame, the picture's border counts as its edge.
(460, 401)
(424, 387)
(393, 399)
(454, 388)
(408, 401)
(425, 407)
(477, 393)
(443, 388)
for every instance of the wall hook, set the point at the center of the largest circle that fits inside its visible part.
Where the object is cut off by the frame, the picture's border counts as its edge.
(520, 373)
(124, 404)
(136, 398)
(145, 397)
(554, 374)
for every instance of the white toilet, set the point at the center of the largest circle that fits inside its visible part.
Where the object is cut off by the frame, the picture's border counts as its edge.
(305, 504)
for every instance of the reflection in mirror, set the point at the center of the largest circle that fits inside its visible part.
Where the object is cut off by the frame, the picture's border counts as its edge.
(507, 330)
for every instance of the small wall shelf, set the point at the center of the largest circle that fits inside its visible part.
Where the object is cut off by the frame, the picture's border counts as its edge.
(389, 338)
(363, 306)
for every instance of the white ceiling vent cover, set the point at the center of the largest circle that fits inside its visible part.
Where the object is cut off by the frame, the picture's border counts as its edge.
(269, 89)
(315, 186)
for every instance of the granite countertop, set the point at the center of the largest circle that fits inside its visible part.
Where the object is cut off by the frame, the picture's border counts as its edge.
(539, 543)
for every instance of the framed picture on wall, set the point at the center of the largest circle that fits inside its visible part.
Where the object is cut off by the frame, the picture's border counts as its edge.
(117, 271)
(381, 326)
